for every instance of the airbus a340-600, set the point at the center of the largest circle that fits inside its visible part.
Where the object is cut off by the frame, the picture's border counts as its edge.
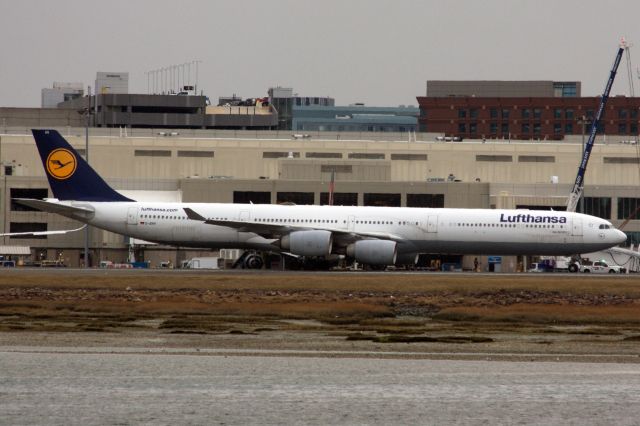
(370, 235)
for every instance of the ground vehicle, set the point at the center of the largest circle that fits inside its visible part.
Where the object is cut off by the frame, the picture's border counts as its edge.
(202, 263)
(601, 267)
(554, 264)
(538, 267)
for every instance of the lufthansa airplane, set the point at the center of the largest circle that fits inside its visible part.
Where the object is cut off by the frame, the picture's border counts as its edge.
(370, 235)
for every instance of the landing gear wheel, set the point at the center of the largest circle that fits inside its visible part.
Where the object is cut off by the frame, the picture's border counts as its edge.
(573, 268)
(254, 261)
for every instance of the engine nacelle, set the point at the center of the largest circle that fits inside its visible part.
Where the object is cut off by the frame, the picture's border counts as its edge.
(308, 243)
(373, 252)
(407, 259)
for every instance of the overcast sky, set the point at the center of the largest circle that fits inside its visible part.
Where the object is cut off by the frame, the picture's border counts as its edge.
(372, 51)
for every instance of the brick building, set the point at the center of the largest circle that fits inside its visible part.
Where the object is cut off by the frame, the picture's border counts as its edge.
(558, 112)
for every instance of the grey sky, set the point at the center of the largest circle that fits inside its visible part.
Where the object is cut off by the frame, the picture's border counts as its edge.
(372, 51)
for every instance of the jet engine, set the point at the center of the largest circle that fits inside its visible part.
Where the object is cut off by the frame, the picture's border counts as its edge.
(373, 252)
(308, 243)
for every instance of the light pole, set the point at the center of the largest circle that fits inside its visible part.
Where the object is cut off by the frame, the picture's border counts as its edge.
(87, 111)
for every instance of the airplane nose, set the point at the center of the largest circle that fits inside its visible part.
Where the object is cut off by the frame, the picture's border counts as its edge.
(620, 237)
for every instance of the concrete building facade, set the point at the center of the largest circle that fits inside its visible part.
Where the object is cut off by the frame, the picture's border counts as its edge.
(355, 118)
(60, 92)
(112, 83)
(170, 111)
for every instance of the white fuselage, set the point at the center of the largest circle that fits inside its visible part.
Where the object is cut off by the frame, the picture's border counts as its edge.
(416, 230)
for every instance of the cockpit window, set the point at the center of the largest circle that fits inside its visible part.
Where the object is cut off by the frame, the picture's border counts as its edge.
(603, 226)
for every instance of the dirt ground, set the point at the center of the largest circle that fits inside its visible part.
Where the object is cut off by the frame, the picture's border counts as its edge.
(475, 316)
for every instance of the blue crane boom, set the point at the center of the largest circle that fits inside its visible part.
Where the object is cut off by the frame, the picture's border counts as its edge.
(578, 186)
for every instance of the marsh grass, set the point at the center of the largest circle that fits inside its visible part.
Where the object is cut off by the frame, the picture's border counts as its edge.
(339, 304)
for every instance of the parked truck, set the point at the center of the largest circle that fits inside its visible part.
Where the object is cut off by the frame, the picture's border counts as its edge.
(601, 267)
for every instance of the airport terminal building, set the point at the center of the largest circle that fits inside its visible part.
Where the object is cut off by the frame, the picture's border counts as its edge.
(371, 169)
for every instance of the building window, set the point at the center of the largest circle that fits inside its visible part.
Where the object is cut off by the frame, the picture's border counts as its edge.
(300, 198)
(382, 200)
(557, 128)
(366, 156)
(462, 128)
(536, 159)
(633, 129)
(323, 155)
(473, 128)
(557, 113)
(626, 208)
(525, 127)
(493, 128)
(597, 206)
(568, 114)
(526, 113)
(537, 113)
(473, 113)
(462, 113)
(35, 193)
(409, 157)
(622, 129)
(633, 113)
(152, 153)
(251, 197)
(505, 114)
(568, 128)
(340, 198)
(504, 128)
(196, 154)
(17, 227)
(589, 113)
(493, 112)
(621, 160)
(425, 200)
(499, 158)
(536, 128)
(622, 113)
(280, 154)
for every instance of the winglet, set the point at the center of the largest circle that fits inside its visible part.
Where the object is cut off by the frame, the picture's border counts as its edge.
(70, 177)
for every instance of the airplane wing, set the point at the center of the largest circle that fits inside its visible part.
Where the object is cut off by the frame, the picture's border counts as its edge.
(276, 230)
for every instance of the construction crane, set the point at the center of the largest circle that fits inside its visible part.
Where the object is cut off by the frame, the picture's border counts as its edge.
(632, 94)
(578, 186)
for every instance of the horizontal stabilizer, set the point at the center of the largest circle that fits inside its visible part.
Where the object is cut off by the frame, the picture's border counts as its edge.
(40, 233)
(55, 207)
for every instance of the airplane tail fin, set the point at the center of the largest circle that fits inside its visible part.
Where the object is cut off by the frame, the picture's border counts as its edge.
(70, 177)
